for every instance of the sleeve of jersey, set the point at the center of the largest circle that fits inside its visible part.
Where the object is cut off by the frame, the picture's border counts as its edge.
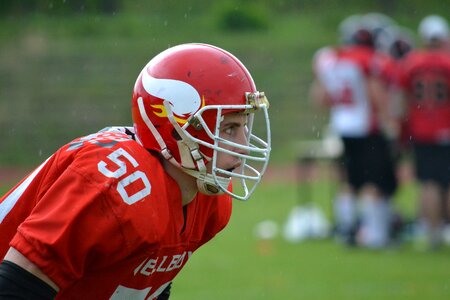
(71, 229)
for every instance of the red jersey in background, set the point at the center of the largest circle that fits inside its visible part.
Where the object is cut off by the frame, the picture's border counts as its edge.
(425, 79)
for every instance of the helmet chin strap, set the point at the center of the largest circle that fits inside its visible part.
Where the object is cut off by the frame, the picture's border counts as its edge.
(207, 184)
(191, 158)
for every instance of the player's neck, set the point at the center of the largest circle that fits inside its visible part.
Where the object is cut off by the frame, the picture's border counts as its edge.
(186, 183)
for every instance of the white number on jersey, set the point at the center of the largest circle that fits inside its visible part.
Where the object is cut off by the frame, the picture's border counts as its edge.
(119, 170)
(123, 292)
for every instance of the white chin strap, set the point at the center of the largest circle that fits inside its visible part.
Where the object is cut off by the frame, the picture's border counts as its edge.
(206, 182)
(191, 158)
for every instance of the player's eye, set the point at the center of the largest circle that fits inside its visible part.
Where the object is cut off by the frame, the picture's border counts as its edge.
(231, 130)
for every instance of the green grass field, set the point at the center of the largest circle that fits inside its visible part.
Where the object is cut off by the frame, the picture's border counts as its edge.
(233, 267)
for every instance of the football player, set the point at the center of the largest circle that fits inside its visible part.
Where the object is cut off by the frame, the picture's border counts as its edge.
(117, 214)
(425, 80)
(351, 80)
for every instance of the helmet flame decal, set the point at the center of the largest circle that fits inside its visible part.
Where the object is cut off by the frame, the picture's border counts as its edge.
(184, 98)
(161, 112)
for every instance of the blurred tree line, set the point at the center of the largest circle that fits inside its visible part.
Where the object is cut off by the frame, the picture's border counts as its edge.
(62, 7)
(73, 7)
(231, 14)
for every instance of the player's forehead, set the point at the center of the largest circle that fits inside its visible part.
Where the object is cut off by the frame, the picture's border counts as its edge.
(236, 117)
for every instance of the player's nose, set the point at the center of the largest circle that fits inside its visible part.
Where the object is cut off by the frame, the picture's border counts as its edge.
(242, 139)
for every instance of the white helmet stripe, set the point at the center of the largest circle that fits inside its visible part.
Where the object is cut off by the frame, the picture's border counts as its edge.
(184, 98)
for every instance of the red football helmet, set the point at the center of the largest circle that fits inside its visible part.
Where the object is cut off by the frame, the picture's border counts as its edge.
(178, 102)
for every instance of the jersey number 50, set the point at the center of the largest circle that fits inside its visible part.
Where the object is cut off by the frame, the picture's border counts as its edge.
(118, 158)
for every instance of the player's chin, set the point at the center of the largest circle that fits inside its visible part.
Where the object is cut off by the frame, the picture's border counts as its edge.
(231, 169)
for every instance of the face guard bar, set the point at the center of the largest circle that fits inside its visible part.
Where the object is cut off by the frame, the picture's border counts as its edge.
(254, 163)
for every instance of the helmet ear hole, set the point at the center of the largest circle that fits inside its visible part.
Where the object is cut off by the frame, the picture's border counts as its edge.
(175, 135)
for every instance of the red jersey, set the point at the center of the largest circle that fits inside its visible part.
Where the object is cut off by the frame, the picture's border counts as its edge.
(103, 220)
(425, 78)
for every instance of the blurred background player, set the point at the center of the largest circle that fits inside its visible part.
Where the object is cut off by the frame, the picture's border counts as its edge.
(352, 81)
(425, 79)
(117, 214)
(401, 42)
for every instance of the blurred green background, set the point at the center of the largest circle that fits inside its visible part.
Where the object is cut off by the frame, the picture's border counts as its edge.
(67, 69)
